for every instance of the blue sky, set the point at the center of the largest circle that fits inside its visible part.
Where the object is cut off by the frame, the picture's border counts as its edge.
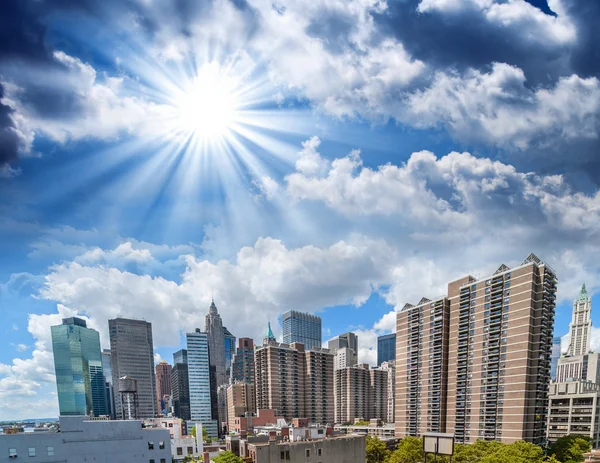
(337, 157)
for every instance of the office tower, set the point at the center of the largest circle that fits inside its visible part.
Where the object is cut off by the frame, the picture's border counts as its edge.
(579, 363)
(180, 356)
(390, 367)
(301, 327)
(163, 384)
(556, 347)
(109, 390)
(422, 367)
(78, 366)
(344, 357)
(499, 354)
(213, 326)
(180, 389)
(199, 381)
(128, 399)
(241, 399)
(345, 348)
(132, 355)
(294, 382)
(360, 393)
(319, 401)
(229, 352)
(242, 369)
(386, 348)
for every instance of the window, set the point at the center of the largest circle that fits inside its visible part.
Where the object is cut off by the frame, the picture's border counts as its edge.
(50, 451)
(163, 460)
(190, 450)
(319, 452)
(151, 461)
(287, 454)
(161, 445)
(32, 451)
(179, 450)
(12, 453)
(150, 445)
(307, 453)
(282, 455)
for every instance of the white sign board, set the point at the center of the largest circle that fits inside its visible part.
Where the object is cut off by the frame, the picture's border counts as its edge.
(438, 443)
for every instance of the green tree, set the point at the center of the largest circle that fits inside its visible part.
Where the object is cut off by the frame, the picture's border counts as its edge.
(570, 448)
(517, 452)
(361, 423)
(410, 450)
(473, 453)
(227, 457)
(377, 451)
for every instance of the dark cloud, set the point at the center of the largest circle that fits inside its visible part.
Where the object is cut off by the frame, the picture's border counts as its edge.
(586, 55)
(9, 137)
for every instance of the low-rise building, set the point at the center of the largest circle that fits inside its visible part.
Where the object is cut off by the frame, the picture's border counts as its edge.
(573, 409)
(245, 424)
(80, 440)
(385, 431)
(182, 444)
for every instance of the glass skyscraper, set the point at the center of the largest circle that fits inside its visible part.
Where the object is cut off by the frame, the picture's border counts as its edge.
(386, 348)
(199, 381)
(109, 393)
(555, 356)
(78, 366)
(229, 350)
(301, 327)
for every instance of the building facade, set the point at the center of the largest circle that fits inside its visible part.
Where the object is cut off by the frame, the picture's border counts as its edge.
(241, 399)
(109, 390)
(360, 393)
(78, 365)
(242, 368)
(390, 367)
(229, 340)
(163, 385)
(422, 367)
(199, 381)
(556, 351)
(302, 328)
(132, 355)
(81, 440)
(180, 356)
(499, 354)
(213, 326)
(574, 408)
(344, 358)
(386, 348)
(318, 386)
(180, 389)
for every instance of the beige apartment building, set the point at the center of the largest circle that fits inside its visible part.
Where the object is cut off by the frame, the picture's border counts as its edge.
(241, 399)
(295, 382)
(422, 367)
(500, 351)
(360, 393)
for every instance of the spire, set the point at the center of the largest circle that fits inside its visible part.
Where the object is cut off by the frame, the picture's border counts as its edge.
(269, 336)
(583, 295)
(213, 308)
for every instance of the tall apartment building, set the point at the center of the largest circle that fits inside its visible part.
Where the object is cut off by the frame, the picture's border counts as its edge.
(579, 363)
(132, 355)
(345, 348)
(301, 327)
(78, 365)
(499, 354)
(422, 367)
(180, 389)
(574, 408)
(386, 348)
(213, 326)
(360, 393)
(199, 381)
(241, 399)
(390, 367)
(109, 390)
(242, 368)
(163, 384)
(344, 357)
(294, 382)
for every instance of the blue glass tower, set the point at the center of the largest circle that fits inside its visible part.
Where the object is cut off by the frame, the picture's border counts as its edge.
(78, 366)
(301, 327)
(556, 341)
(386, 348)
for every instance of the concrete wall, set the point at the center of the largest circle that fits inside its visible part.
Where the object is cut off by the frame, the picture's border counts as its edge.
(347, 449)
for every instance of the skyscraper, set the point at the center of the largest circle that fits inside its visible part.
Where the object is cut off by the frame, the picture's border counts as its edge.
(499, 353)
(199, 381)
(556, 346)
(242, 369)
(132, 355)
(301, 327)
(163, 384)
(386, 348)
(229, 352)
(349, 340)
(422, 367)
(216, 341)
(345, 348)
(180, 385)
(390, 367)
(109, 390)
(78, 366)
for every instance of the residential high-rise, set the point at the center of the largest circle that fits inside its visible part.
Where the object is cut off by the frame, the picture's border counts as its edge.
(229, 352)
(422, 367)
(556, 346)
(390, 367)
(499, 354)
(213, 326)
(180, 389)
(199, 381)
(579, 363)
(301, 327)
(78, 365)
(180, 356)
(360, 393)
(241, 399)
(296, 383)
(132, 355)
(163, 384)
(109, 390)
(344, 357)
(242, 369)
(386, 348)
(345, 348)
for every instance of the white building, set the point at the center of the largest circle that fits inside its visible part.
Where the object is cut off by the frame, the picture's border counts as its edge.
(390, 367)
(344, 357)
(81, 440)
(182, 445)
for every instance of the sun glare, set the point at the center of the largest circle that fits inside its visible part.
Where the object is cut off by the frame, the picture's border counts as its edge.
(208, 104)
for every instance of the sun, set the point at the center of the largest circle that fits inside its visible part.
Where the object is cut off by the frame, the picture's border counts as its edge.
(208, 104)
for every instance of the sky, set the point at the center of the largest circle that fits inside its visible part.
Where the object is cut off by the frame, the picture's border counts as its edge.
(340, 157)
